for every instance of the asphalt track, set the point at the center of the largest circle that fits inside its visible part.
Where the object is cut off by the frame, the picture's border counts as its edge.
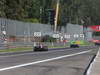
(55, 62)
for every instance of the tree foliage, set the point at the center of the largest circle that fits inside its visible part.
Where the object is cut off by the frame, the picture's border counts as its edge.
(2, 8)
(84, 12)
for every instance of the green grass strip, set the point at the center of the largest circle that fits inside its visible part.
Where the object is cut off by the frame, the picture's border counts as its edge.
(16, 50)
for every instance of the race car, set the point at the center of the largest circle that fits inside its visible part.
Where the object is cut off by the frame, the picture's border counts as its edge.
(96, 42)
(40, 47)
(74, 44)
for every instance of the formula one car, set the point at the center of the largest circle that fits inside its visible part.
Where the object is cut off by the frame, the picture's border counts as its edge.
(74, 44)
(96, 42)
(40, 48)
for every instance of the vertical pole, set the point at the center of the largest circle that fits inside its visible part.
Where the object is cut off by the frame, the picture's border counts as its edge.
(56, 17)
(49, 18)
(29, 34)
(41, 14)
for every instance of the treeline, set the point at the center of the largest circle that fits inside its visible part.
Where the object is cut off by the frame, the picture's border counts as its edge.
(24, 10)
(84, 12)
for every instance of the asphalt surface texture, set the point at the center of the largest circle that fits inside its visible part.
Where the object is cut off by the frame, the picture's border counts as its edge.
(73, 61)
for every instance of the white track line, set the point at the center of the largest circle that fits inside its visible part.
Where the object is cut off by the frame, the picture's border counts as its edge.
(46, 60)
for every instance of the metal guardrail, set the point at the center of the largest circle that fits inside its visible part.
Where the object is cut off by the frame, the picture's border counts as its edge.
(32, 44)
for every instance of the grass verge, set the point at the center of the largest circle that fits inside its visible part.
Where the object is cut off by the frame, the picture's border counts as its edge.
(15, 50)
(22, 49)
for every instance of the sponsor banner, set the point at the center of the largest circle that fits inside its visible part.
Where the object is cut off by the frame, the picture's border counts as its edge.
(95, 28)
(37, 34)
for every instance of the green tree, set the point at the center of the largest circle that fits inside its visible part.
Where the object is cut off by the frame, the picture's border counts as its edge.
(2, 8)
(14, 9)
